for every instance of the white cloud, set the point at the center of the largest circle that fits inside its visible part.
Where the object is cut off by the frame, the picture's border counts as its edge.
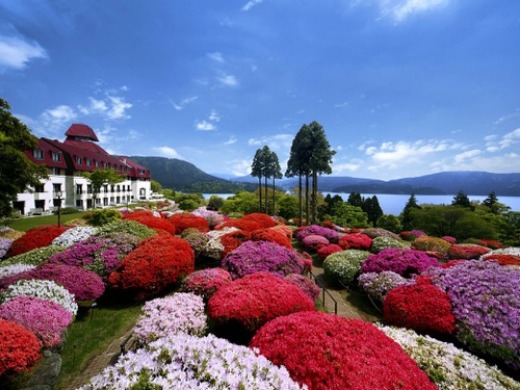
(232, 140)
(228, 80)
(250, 4)
(465, 156)
(239, 167)
(16, 52)
(166, 151)
(495, 143)
(275, 142)
(214, 116)
(57, 118)
(400, 10)
(216, 56)
(111, 108)
(118, 108)
(346, 167)
(204, 126)
(183, 103)
(341, 105)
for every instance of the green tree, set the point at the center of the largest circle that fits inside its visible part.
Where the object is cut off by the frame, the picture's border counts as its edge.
(258, 170)
(288, 206)
(17, 172)
(373, 209)
(215, 202)
(406, 218)
(100, 177)
(273, 171)
(461, 199)
(355, 199)
(390, 222)
(346, 215)
(242, 202)
(156, 187)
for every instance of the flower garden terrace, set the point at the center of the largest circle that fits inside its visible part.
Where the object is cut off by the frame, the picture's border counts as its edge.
(227, 302)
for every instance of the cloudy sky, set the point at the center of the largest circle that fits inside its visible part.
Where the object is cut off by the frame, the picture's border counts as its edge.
(402, 88)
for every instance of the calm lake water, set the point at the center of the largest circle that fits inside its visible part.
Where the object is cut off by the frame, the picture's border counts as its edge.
(394, 204)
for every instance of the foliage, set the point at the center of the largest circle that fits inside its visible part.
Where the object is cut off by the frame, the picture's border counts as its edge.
(35, 238)
(344, 266)
(326, 351)
(206, 282)
(405, 262)
(372, 208)
(19, 348)
(102, 217)
(215, 202)
(241, 202)
(432, 244)
(35, 257)
(100, 177)
(131, 227)
(461, 199)
(344, 214)
(390, 222)
(381, 243)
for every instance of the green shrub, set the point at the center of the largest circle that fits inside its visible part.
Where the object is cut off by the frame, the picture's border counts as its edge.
(383, 242)
(35, 257)
(344, 266)
(431, 244)
(102, 217)
(125, 226)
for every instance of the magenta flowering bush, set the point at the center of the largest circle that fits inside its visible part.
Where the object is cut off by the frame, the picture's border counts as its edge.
(46, 319)
(318, 230)
(308, 286)
(206, 282)
(486, 304)
(315, 241)
(168, 316)
(264, 256)
(405, 262)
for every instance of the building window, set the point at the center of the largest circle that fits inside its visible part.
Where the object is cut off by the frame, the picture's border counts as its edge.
(56, 171)
(88, 162)
(89, 188)
(78, 160)
(96, 163)
(141, 172)
(39, 188)
(38, 154)
(56, 187)
(105, 165)
(79, 189)
(118, 188)
(112, 188)
(55, 156)
(105, 188)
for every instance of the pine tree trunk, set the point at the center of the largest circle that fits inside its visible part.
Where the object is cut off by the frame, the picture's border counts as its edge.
(300, 199)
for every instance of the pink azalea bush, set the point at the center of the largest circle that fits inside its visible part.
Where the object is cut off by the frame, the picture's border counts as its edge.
(304, 231)
(206, 282)
(405, 262)
(307, 285)
(314, 242)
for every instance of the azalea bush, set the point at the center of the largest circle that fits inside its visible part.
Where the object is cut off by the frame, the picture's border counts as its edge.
(19, 348)
(46, 319)
(325, 351)
(232, 240)
(14, 269)
(355, 241)
(304, 231)
(213, 218)
(258, 256)
(164, 317)
(45, 289)
(343, 267)
(192, 363)
(304, 283)
(327, 250)
(379, 232)
(410, 235)
(432, 244)
(5, 244)
(160, 262)
(34, 257)
(467, 251)
(278, 236)
(35, 238)
(74, 235)
(314, 242)
(380, 243)
(405, 262)
(196, 240)
(240, 308)
(448, 366)
(7, 232)
(151, 221)
(250, 222)
(504, 256)
(486, 304)
(422, 307)
(125, 226)
(183, 221)
(206, 282)
(378, 284)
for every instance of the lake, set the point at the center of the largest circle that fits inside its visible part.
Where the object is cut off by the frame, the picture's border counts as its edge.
(394, 203)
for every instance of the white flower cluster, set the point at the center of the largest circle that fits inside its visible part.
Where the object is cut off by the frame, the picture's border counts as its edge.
(189, 362)
(180, 312)
(513, 250)
(74, 235)
(448, 366)
(14, 269)
(46, 289)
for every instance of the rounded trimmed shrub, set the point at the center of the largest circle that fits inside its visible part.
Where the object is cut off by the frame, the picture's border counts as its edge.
(307, 285)
(35, 238)
(343, 267)
(382, 242)
(206, 282)
(304, 231)
(314, 242)
(148, 219)
(19, 349)
(327, 250)
(277, 236)
(405, 262)
(183, 221)
(378, 285)
(355, 241)
(467, 251)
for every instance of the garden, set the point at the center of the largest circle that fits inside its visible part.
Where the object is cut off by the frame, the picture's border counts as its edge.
(219, 302)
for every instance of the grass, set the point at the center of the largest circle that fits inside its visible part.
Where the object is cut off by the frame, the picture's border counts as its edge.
(24, 224)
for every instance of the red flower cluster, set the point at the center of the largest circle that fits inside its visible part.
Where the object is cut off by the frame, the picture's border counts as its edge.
(421, 307)
(255, 299)
(146, 218)
(326, 351)
(206, 282)
(19, 347)
(158, 263)
(272, 235)
(493, 244)
(461, 251)
(233, 240)
(35, 238)
(451, 263)
(504, 259)
(188, 221)
(327, 250)
(250, 222)
(355, 241)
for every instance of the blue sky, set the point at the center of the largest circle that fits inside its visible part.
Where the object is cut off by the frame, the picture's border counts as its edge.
(402, 88)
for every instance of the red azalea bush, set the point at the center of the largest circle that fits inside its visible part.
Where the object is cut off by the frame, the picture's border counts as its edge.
(188, 221)
(148, 219)
(327, 250)
(405, 262)
(232, 240)
(206, 282)
(241, 224)
(240, 308)
(283, 229)
(264, 220)
(325, 351)
(19, 348)
(272, 235)
(422, 307)
(451, 263)
(503, 258)
(450, 239)
(160, 261)
(492, 244)
(355, 241)
(35, 238)
(314, 242)
(466, 251)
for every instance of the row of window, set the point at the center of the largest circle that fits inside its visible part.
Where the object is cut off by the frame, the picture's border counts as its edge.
(38, 154)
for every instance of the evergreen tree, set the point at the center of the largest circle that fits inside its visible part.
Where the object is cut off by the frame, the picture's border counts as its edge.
(257, 170)
(491, 202)
(461, 199)
(406, 218)
(355, 199)
(274, 171)
(372, 208)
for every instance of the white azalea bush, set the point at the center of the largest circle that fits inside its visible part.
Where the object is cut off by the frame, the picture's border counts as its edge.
(74, 235)
(188, 362)
(14, 269)
(448, 366)
(178, 313)
(46, 289)
(344, 266)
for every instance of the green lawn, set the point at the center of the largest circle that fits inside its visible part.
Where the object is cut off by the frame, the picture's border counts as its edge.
(24, 224)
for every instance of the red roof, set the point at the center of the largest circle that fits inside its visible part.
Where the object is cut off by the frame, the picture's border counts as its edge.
(81, 130)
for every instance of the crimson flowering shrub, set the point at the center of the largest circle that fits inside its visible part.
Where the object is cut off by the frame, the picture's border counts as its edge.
(314, 242)
(492, 244)
(503, 259)
(265, 221)
(160, 261)
(421, 307)
(286, 230)
(19, 348)
(326, 351)
(308, 286)
(405, 262)
(410, 235)
(206, 282)
(432, 244)
(451, 263)
(466, 251)
(46, 319)
(148, 219)
(304, 231)
(35, 238)
(271, 235)
(232, 240)
(240, 308)
(188, 221)
(486, 304)
(240, 224)
(263, 256)
(327, 250)
(355, 241)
